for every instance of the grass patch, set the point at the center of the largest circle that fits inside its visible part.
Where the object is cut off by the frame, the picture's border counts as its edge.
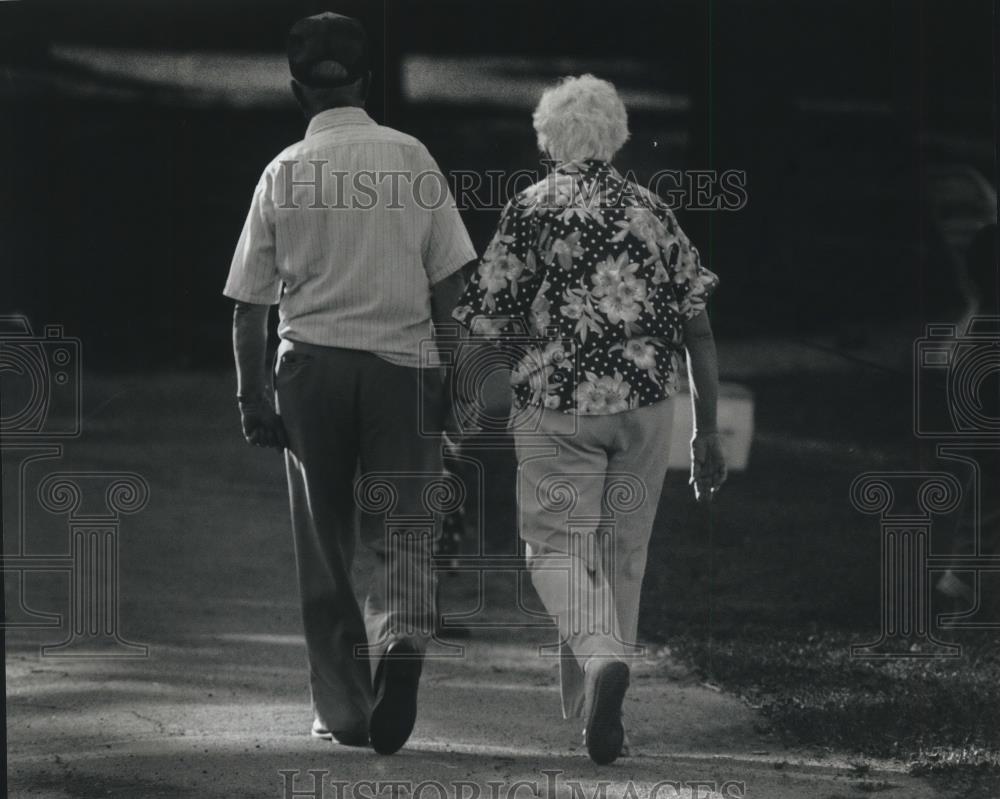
(814, 693)
(764, 593)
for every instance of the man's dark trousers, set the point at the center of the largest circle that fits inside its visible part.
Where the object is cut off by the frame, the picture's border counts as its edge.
(343, 409)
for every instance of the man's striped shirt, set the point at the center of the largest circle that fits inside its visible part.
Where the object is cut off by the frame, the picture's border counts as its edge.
(347, 231)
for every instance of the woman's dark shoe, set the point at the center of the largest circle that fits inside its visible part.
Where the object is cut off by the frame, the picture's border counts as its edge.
(606, 685)
(395, 710)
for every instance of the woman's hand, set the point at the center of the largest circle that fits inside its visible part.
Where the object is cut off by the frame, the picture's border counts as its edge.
(708, 466)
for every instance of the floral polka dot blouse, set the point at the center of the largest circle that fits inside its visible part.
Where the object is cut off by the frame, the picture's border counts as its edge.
(587, 282)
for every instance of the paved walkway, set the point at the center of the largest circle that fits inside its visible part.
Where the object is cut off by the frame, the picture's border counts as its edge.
(219, 707)
(225, 714)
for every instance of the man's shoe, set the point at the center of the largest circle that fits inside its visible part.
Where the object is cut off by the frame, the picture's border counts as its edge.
(319, 731)
(395, 710)
(343, 738)
(606, 686)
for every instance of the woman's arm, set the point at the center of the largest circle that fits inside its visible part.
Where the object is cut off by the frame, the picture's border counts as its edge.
(708, 466)
(703, 372)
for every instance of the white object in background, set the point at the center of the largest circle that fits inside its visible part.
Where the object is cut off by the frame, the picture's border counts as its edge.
(735, 427)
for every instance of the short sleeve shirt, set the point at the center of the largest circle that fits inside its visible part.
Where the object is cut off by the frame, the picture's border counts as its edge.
(347, 231)
(588, 280)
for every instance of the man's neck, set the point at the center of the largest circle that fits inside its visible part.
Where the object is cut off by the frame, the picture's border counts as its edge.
(336, 107)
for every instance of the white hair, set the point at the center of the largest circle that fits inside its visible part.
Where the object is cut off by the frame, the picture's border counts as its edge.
(581, 118)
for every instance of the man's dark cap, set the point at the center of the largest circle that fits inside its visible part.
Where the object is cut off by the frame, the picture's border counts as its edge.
(327, 50)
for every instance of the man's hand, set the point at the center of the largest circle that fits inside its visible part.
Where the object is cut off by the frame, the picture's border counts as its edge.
(460, 418)
(708, 466)
(452, 433)
(262, 427)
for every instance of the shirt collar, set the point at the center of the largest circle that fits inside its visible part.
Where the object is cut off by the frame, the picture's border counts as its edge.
(587, 167)
(337, 118)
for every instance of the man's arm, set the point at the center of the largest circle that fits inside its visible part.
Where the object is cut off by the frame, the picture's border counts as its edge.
(449, 337)
(262, 427)
(708, 466)
(445, 295)
(249, 349)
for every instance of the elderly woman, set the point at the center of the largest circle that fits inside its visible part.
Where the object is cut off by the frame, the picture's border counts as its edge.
(591, 280)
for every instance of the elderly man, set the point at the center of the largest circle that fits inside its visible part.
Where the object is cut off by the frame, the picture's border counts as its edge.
(593, 278)
(352, 233)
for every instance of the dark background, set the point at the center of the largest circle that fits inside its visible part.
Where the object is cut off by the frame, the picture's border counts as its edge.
(865, 128)
(120, 211)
